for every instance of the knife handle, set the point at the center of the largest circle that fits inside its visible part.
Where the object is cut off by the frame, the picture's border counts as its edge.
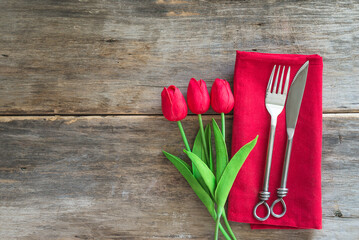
(282, 191)
(286, 163)
(283, 205)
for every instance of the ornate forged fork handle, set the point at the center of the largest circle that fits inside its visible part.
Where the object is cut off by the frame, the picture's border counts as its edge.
(265, 194)
(263, 197)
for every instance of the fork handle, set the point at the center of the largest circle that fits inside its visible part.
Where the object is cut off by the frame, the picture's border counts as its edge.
(269, 154)
(264, 195)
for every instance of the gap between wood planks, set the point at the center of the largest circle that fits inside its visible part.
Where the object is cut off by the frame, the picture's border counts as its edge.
(8, 118)
(325, 113)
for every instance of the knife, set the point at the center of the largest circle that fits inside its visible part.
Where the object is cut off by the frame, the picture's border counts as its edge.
(293, 103)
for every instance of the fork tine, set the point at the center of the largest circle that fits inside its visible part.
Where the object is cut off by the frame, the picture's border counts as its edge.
(281, 81)
(269, 87)
(276, 81)
(286, 83)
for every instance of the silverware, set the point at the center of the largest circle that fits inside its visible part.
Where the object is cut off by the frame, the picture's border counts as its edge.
(294, 101)
(274, 102)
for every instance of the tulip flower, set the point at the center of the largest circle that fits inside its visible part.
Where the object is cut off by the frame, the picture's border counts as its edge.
(199, 102)
(222, 99)
(174, 105)
(197, 96)
(174, 108)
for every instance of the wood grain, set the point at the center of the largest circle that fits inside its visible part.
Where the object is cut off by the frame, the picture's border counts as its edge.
(99, 177)
(106, 178)
(114, 57)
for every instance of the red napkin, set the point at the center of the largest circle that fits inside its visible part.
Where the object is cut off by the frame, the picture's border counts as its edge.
(251, 74)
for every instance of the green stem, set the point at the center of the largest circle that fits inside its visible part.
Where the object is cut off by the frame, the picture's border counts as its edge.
(228, 226)
(223, 120)
(204, 145)
(225, 234)
(216, 231)
(219, 213)
(183, 136)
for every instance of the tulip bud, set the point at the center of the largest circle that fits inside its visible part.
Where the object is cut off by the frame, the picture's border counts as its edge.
(174, 106)
(197, 96)
(222, 99)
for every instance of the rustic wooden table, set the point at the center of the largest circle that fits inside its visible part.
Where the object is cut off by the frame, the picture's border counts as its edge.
(81, 129)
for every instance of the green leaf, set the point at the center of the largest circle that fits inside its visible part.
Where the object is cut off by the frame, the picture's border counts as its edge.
(207, 132)
(205, 172)
(221, 150)
(198, 150)
(230, 173)
(185, 170)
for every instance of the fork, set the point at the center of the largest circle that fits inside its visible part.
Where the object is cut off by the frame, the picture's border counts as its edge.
(274, 102)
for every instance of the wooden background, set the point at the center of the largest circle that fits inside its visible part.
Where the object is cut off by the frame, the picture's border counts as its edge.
(81, 129)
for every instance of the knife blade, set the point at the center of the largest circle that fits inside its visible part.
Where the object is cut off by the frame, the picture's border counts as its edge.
(294, 99)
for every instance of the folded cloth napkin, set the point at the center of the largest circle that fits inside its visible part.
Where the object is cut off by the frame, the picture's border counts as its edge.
(251, 74)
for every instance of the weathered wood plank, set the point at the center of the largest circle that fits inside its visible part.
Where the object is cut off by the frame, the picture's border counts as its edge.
(106, 178)
(114, 57)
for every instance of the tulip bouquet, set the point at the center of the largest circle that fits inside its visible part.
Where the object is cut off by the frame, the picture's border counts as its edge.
(211, 184)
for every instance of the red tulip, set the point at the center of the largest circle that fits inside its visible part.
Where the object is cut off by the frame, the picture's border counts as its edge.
(197, 96)
(174, 105)
(222, 99)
